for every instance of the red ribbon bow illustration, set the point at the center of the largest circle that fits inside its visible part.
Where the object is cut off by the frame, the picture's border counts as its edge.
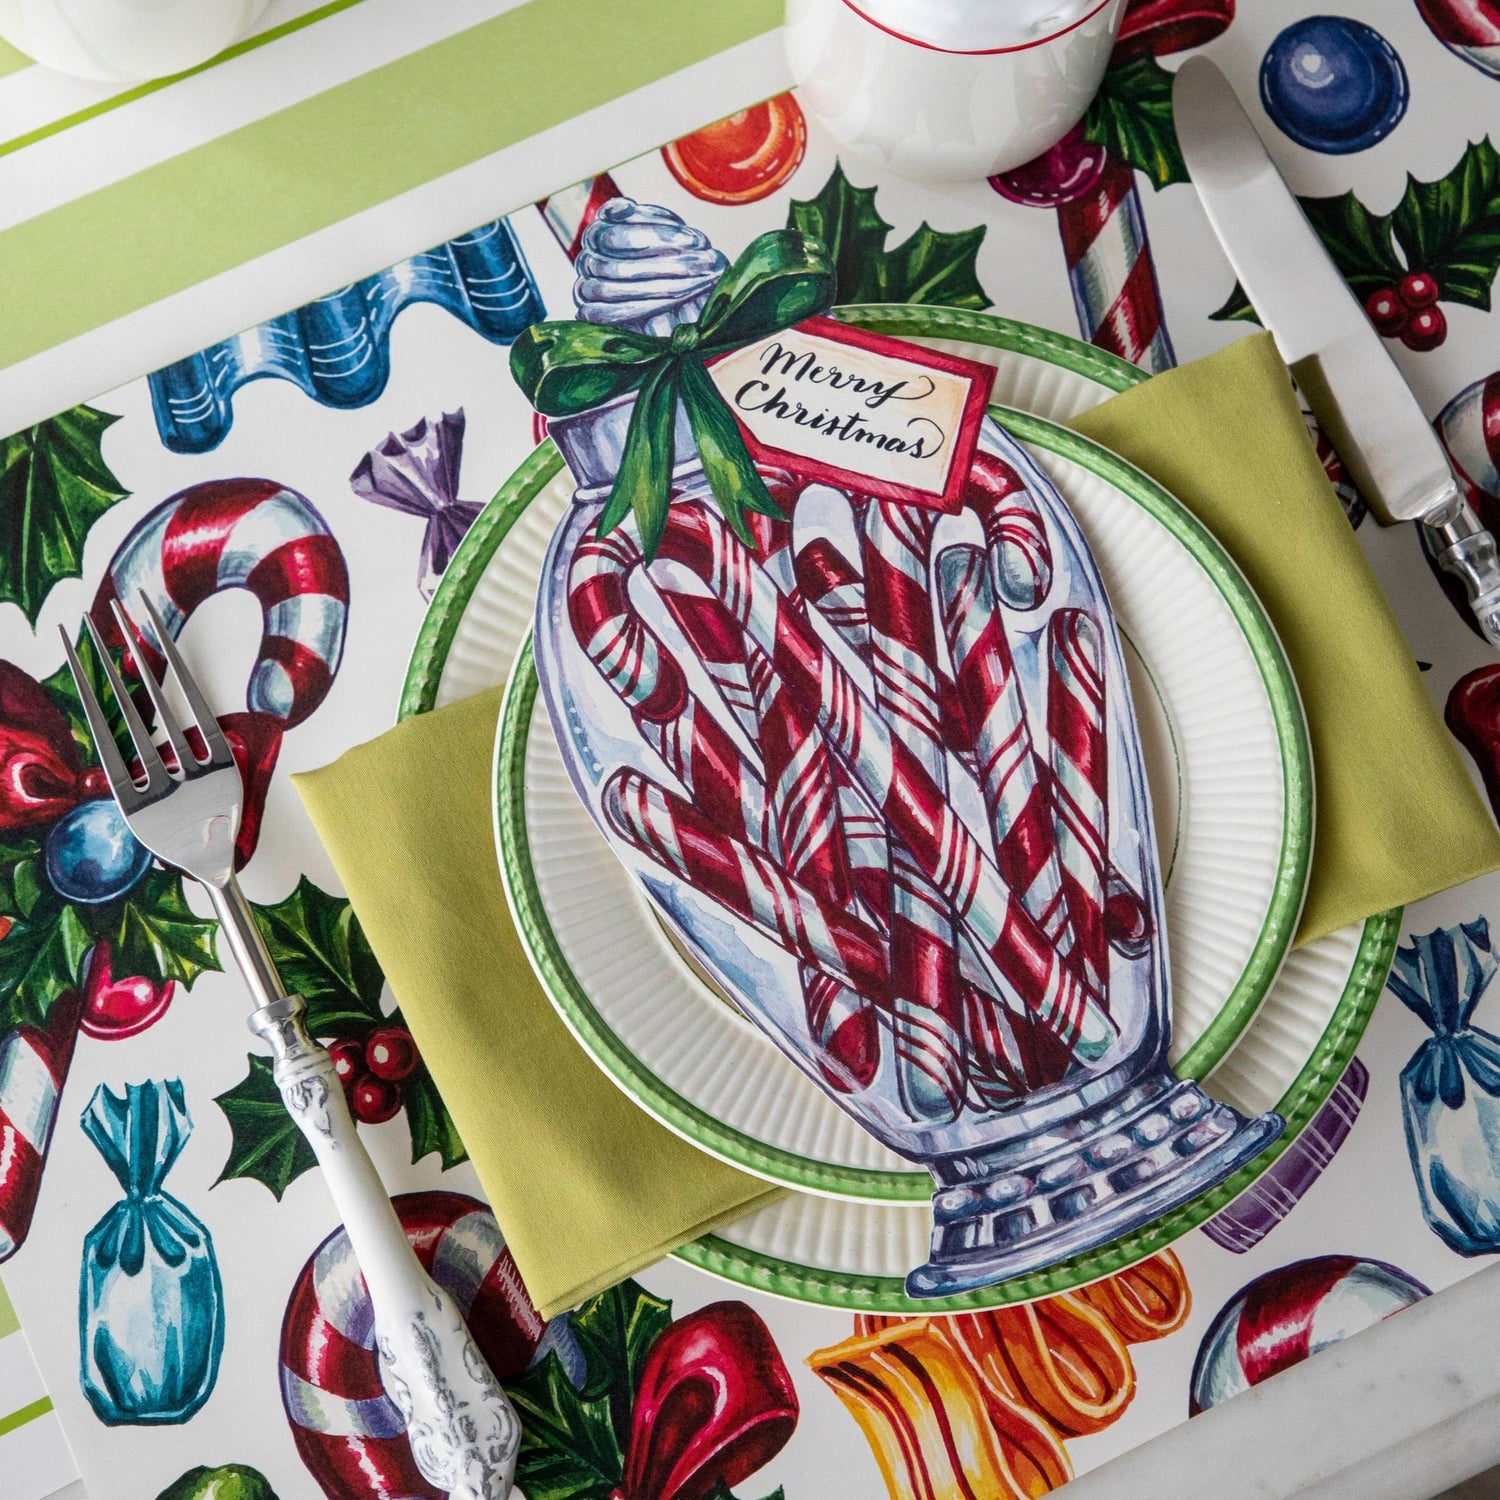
(715, 1403)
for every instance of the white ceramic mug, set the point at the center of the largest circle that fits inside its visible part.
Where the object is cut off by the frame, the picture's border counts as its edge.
(125, 41)
(950, 89)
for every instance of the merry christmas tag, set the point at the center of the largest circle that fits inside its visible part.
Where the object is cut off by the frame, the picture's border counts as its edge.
(860, 410)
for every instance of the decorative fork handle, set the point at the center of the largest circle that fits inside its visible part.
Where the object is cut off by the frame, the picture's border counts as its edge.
(1464, 548)
(463, 1431)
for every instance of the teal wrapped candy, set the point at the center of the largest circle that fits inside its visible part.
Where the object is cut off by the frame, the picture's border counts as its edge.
(1450, 1090)
(150, 1301)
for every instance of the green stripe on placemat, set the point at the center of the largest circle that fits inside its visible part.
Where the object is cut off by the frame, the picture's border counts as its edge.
(312, 164)
(38, 1408)
(9, 1322)
(128, 96)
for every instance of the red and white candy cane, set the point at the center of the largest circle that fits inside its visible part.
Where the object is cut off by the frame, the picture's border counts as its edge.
(647, 678)
(348, 1432)
(1470, 29)
(1076, 728)
(1020, 551)
(1013, 947)
(33, 1067)
(252, 534)
(932, 1069)
(1010, 774)
(747, 882)
(802, 795)
(571, 210)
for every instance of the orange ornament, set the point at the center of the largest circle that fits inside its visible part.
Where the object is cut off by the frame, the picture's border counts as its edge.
(744, 157)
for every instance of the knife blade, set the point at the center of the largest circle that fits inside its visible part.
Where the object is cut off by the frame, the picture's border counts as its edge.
(1342, 365)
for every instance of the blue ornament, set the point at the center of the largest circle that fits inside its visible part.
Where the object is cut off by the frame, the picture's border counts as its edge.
(91, 856)
(1333, 84)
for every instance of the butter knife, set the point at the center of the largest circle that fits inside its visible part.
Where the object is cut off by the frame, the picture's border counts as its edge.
(1340, 362)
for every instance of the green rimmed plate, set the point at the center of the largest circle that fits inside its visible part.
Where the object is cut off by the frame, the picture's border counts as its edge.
(847, 1253)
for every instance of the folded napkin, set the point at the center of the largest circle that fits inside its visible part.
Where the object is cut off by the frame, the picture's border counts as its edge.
(1397, 813)
(585, 1185)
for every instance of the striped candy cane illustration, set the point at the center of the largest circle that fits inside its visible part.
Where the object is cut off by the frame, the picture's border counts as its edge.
(932, 1070)
(1011, 946)
(34, 1064)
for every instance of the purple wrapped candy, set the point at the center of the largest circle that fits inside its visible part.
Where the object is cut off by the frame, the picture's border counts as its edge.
(1267, 1201)
(417, 472)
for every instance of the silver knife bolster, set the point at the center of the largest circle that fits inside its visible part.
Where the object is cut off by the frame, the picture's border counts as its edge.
(1371, 418)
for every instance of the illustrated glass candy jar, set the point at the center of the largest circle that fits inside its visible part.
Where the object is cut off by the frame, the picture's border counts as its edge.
(832, 669)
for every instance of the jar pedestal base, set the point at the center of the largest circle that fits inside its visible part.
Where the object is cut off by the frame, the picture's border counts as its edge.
(1115, 1168)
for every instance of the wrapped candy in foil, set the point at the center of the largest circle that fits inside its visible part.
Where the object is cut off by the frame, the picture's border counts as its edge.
(150, 1302)
(1450, 1090)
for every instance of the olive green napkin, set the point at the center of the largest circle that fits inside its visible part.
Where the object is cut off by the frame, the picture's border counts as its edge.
(1397, 813)
(585, 1185)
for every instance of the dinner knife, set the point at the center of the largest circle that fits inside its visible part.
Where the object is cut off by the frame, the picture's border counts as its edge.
(1340, 362)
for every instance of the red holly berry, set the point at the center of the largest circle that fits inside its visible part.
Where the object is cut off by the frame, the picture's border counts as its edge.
(1387, 311)
(390, 1053)
(1427, 329)
(374, 1100)
(348, 1060)
(1418, 290)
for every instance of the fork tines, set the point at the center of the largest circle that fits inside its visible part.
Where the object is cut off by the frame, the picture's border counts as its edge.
(129, 792)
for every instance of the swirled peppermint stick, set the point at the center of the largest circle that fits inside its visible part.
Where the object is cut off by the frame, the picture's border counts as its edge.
(1080, 780)
(932, 1070)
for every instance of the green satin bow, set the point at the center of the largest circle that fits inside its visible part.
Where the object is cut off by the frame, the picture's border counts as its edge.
(783, 277)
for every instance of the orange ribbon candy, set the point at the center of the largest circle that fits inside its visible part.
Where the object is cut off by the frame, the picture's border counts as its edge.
(1146, 1302)
(938, 1431)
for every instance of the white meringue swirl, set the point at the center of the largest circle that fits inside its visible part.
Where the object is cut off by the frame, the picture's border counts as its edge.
(640, 267)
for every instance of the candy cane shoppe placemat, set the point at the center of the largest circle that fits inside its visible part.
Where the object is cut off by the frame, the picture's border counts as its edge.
(427, 158)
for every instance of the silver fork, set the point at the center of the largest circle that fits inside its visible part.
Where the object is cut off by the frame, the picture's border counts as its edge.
(463, 1430)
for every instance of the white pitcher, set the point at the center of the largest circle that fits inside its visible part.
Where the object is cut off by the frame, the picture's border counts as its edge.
(949, 89)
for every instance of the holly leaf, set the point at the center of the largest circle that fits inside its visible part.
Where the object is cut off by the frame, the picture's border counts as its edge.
(930, 266)
(1131, 117)
(41, 958)
(323, 955)
(1358, 242)
(155, 933)
(1451, 227)
(721, 1491)
(54, 484)
(432, 1128)
(935, 266)
(266, 1143)
(845, 219)
(568, 1448)
(615, 1331)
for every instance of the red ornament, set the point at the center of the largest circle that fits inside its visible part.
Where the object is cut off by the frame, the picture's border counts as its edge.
(743, 158)
(1418, 289)
(374, 1100)
(1387, 311)
(1427, 329)
(715, 1403)
(114, 1009)
(348, 1060)
(391, 1054)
